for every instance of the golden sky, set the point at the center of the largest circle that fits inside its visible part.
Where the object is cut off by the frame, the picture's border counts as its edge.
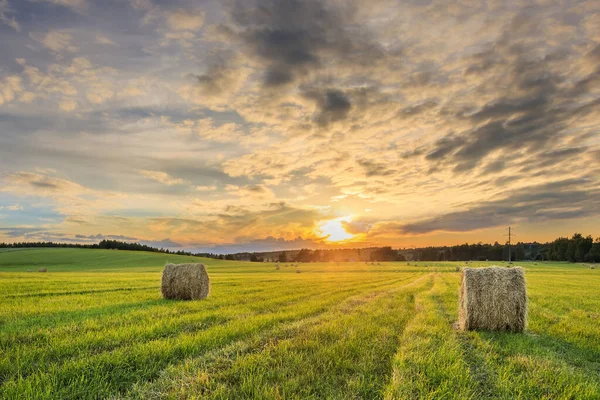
(262, 125)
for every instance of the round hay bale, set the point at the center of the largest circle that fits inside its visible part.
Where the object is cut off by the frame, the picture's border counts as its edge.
(277, 267)
(43, 270)
(592, 267)
(185, 282)
(297, 271)
(457, 269)
(493, 299)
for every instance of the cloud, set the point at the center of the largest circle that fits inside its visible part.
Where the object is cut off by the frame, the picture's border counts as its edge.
(104, 40)
(560, 200)
(56, 40)
(526, 107)
(36, 184)
(162, 177)
(356, 227)
(206, 188)
(186, 20)
(254, 191)
(291, 38)
(333, 105)
(5, 19)
(14, 207)
(373, 168)
(10, 88)
(67, 105)
(75, 5)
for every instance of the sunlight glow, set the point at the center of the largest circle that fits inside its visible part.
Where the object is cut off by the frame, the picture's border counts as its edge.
(334, 230)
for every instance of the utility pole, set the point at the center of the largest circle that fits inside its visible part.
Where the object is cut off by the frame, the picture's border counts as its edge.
(509, 244)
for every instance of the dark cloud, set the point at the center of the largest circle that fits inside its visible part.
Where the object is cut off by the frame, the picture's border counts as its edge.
(332, 105)
(566, 199)
(373, 168)
(218, 77)
(356, 227)
(16, 232)
(533, 106)
(293, 37)
(418, 108)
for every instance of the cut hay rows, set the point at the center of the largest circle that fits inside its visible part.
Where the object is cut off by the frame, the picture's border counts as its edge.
(185, 282)
(494, 299)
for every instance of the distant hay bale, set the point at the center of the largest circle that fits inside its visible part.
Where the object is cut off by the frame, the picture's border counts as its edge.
(493, 298)
(592, 267)
(43, 270)
(457, 269)
(185, 282)
(297, 271)
(277, 267)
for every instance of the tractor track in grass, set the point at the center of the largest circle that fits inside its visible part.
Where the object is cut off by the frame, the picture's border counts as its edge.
(219, 360)
(321, 306)
(116, 311)
(480, 372)
(78, 292)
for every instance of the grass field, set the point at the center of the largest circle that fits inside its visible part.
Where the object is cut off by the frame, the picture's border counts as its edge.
(95, 326)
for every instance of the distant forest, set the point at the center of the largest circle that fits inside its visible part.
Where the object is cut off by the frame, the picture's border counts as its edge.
(105, 244)
(577, 248)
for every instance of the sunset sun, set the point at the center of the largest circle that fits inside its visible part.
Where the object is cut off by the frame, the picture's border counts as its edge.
(334, 230)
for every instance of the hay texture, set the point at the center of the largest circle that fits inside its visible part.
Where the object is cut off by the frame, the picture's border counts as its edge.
(185, 282)
(493, 299)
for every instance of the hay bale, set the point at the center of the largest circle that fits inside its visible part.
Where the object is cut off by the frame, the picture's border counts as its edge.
(277, 267)
(297, 271)
(43, 270)
(457, 269)
(185, 282)
(493, 298)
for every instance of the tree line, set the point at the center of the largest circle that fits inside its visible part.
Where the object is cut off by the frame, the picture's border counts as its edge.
(577, 248)
(104, 244)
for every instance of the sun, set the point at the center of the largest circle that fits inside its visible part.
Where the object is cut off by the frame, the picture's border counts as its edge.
(334, 230)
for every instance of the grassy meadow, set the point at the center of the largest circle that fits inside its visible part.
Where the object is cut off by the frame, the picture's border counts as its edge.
(95, 326)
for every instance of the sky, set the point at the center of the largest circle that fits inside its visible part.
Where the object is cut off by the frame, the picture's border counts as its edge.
(257, 125)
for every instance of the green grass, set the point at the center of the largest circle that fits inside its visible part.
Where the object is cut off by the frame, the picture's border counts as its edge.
(95, 326)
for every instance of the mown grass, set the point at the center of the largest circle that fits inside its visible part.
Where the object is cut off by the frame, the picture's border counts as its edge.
(95, 326)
